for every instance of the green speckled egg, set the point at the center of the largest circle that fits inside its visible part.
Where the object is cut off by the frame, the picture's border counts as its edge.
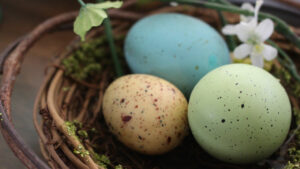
(146, 113)
(239, 113)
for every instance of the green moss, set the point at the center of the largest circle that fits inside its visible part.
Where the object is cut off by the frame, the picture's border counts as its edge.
(293, 87)
(93, 130)
(77, 124)
(101, 160)
(288, 81)
(71, 128)
(80, 150)
(119, 167)
(267, 66)
(74, 128)
(65, 89)
(88, 60)
(294, 163)
(83, 134)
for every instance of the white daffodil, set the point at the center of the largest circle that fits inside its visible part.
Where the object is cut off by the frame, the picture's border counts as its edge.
(253, 35)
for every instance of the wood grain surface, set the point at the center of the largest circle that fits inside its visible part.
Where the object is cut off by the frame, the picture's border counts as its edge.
(20, 16)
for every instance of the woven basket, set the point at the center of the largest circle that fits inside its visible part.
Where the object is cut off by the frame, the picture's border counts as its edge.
(68, 144)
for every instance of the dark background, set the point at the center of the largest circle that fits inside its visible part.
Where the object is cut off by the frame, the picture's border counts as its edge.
(21, 16)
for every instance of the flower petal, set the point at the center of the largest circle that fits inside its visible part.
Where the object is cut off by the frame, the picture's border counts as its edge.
(173, 4)
(242, 51)
(265, 29)
(269, 52)
(247, 6)
(246, 19)
(244, 31)
(229, 30)
(257, 60)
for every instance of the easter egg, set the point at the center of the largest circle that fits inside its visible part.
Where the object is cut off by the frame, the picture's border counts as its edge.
(146, 113)
(176, 47)
(239, 113)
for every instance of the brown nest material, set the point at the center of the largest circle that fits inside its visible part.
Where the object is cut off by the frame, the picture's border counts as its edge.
(72, 130)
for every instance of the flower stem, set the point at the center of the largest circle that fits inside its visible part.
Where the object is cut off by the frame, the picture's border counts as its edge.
(230, 39)
(281, 26)
(81, 2)
(110, 39)
(287, 62)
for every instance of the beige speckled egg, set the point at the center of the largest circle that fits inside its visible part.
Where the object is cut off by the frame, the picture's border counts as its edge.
(146, 113)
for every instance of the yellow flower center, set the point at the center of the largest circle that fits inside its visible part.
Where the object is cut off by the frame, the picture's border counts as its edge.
(254, 39)
(258, 48)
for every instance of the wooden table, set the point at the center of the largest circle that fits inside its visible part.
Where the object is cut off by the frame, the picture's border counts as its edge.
(21, 16)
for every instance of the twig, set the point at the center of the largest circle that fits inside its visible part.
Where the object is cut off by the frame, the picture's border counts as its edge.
(67, 101)
(72, 157)
(60, 123)
(100, 97)
(46, 155)
(85, 105)
(284, 147)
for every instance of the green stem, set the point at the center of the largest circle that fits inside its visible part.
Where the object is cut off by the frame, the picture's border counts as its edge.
(230, 39)
(109, 35)
(281, 26)
(110, 39)
(81, 2)
(287, 62)
(225, 2)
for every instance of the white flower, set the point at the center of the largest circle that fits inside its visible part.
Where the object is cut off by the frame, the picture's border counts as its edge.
(173, 3)
(249, 7)
(253, 36)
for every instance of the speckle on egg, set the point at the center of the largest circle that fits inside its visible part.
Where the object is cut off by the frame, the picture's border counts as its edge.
(146, 113)
(253, 117)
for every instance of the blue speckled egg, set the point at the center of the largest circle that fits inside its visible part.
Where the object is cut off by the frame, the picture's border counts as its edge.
(176, 47)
